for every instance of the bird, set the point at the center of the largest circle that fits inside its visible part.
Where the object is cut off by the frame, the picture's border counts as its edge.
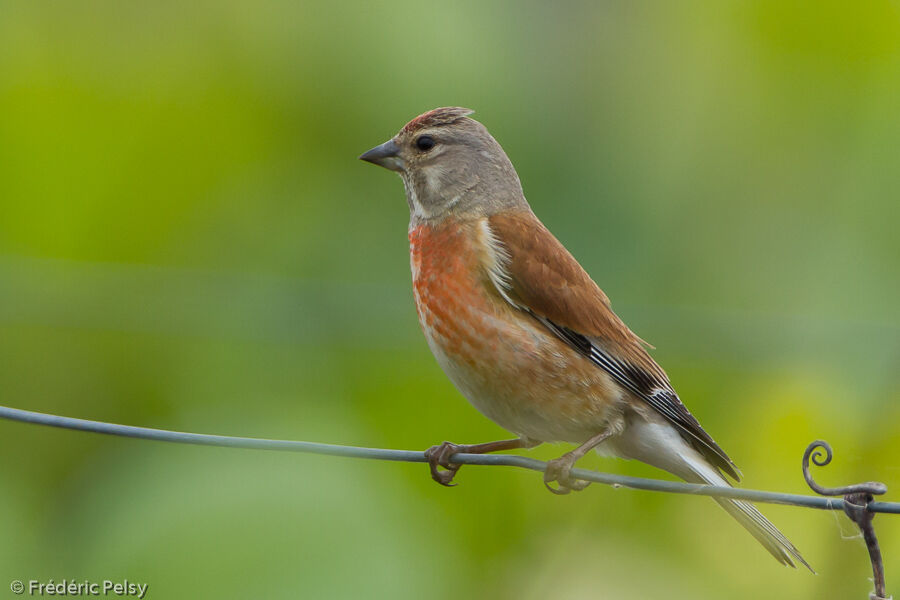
(525, 334)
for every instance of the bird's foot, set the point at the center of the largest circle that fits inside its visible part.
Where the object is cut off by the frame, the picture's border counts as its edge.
(439, 456)
(558, 470)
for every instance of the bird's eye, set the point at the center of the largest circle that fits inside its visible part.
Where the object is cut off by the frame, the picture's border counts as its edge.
(425, 143)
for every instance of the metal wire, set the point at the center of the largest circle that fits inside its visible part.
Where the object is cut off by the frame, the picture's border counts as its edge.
(639, 483)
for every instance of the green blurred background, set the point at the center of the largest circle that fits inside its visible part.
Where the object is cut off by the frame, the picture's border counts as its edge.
(187, 241)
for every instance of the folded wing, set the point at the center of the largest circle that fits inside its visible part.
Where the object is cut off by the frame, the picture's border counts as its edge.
(540, 277)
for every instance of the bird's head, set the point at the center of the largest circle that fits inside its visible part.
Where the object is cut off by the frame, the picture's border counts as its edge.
(450, 166)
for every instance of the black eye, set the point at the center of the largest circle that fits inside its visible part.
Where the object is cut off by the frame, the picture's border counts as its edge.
(425, 143)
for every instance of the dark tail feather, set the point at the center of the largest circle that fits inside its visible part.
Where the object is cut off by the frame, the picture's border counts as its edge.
(747, 515)
(765, 533)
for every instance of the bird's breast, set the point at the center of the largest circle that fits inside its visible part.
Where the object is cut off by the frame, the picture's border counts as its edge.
(454, 306)
(506, 363)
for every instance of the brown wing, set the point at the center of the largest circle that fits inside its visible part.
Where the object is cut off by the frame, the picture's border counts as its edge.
(546, 281)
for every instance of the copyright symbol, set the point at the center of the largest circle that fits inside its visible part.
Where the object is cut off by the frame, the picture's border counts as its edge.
(17, 586)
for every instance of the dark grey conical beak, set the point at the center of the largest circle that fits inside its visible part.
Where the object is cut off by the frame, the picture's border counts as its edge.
(386, 155)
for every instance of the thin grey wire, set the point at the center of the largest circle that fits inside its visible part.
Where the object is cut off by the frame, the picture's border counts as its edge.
(640, 483)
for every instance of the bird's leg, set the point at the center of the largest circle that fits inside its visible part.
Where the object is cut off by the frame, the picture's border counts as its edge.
(440, 455)
(558, 468)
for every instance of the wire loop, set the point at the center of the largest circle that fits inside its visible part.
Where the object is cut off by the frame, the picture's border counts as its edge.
(857, 500)
(875, 488)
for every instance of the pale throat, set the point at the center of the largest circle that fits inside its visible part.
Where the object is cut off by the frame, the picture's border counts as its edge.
(430, 198)
(416, 212)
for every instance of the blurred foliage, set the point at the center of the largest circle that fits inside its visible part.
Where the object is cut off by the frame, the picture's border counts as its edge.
(187, 241)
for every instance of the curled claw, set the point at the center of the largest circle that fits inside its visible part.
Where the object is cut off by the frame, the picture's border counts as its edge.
(439, 456)
(558, 470)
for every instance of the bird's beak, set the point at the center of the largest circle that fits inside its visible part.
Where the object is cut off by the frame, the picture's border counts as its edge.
(386, 155)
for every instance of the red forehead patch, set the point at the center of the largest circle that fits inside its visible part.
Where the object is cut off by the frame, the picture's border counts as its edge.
(439, 116)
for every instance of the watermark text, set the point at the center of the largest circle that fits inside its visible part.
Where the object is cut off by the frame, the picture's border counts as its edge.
(85, 587)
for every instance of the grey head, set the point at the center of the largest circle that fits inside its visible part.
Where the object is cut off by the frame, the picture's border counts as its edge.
(451, 167)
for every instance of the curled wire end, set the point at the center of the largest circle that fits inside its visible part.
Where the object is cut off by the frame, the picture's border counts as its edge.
(813, 451)
(856, 506)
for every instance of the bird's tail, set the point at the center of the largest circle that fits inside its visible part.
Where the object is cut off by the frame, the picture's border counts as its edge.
(661, 445)
(700, 471)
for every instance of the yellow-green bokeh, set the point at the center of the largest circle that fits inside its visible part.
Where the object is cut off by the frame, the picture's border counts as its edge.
(187, 241)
